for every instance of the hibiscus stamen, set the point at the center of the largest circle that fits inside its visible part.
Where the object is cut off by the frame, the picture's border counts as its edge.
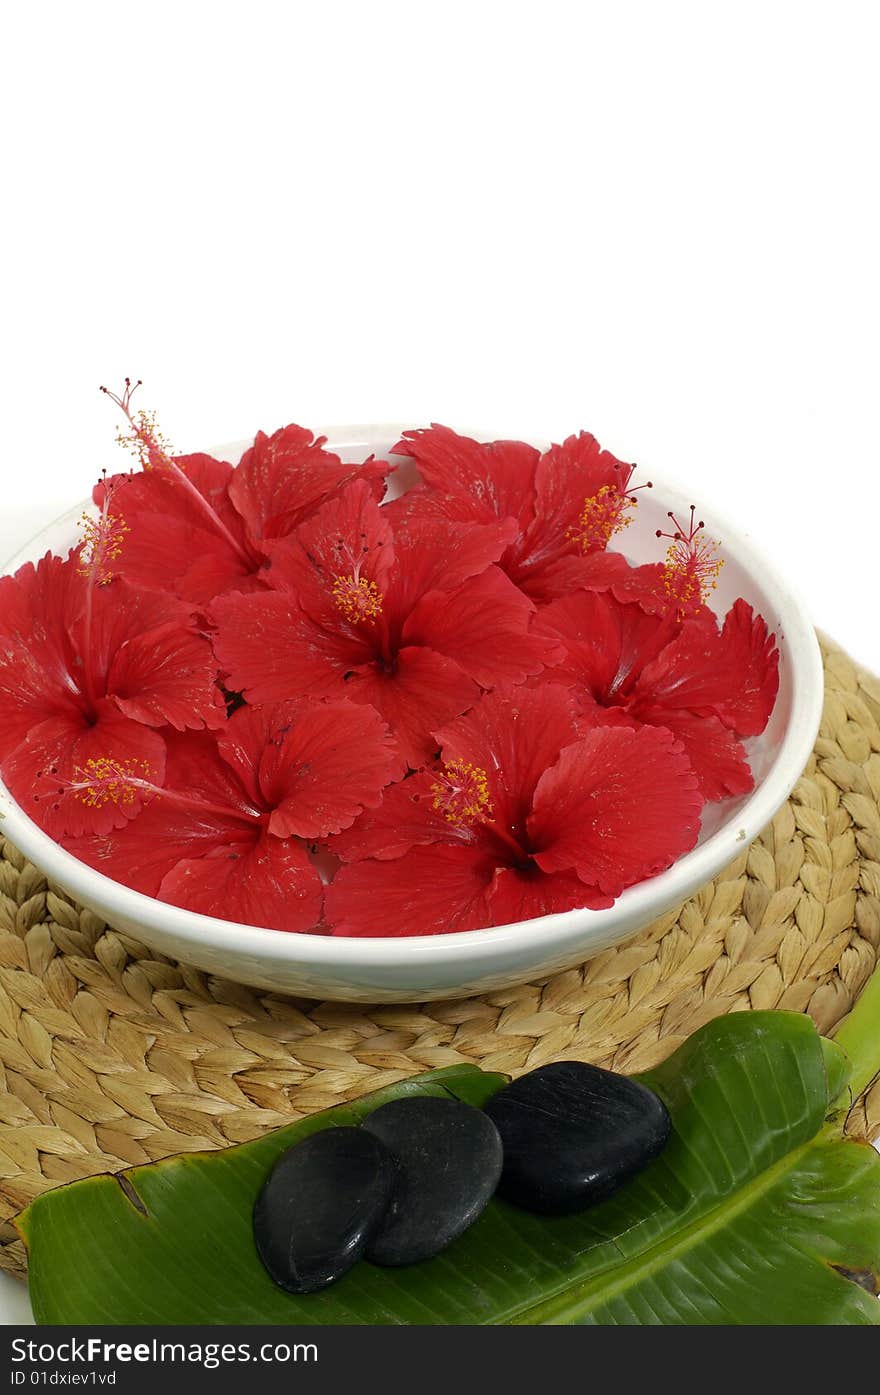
(461, 793)
(101, 780)
(101, 546)
(606, 512)
(145, 440)
(357, 597)
(102, 542)
(690, 572)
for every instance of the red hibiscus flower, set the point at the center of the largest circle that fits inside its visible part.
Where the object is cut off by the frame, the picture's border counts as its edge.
(90, 669)
(410, 620)
(566, 504)
(527, 814)
(706, 685)
(199, 527)
(223, 835)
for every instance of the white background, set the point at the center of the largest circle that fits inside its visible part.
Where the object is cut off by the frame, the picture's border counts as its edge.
(658, 221)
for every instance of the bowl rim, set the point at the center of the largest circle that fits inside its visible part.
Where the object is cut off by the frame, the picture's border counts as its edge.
(322, 951)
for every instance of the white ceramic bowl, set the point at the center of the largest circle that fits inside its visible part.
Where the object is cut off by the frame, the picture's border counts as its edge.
(443, 966)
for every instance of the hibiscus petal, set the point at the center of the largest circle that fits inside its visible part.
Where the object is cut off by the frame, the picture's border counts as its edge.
(141, 852)
(543, 574)
(57, 750)
(348, 535)
(497, 478)
(204, 564)
(171, 544)
(436, 554)
(734, 673)
(167, 675)
(285, 477)
(522, 894)
(269, 883)
(416, 696)
(40, 602)
(485, 627)
(199, 763)
(591, 715)
(717, 759)
(405, 818)
(271, 650)
(644, 586)
(618, 806)
(36, 605)
(566, 476)
(145, 850)
(430, 891)
(80, 634)
(120, 613)
(545, 580)
(320, 770)
(422, 504)
(212, 573)
(513, 735)
(160, 491)
(241, 743)
(604, 644)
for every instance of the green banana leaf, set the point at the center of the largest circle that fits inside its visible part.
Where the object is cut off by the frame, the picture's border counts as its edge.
(758, 1211)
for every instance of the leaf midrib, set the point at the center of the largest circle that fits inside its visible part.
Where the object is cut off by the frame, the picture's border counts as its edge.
(599, 1289)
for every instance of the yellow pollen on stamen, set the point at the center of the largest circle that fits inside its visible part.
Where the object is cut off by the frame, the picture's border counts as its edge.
(144, 440)
(461, 794)
(691, 568)
(604, 514)
(357, 597)
(141, 436)
(102, 543)
(102, 780)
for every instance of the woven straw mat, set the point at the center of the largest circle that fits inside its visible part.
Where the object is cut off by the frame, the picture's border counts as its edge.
(111, 1055)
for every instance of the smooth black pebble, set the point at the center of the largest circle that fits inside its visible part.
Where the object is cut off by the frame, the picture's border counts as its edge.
(320, 1205)
(448, 1164)
(572, 1133)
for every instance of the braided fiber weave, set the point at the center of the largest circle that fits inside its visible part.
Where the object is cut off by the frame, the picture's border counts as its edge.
(111, 1055)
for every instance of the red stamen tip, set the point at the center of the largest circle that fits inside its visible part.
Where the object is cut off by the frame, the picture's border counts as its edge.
(606, 512)
(142, 437)
(690, 572)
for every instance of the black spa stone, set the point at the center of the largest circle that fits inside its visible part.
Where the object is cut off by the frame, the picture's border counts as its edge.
(320, 1205)
(572, 1133)
(448, 1163)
